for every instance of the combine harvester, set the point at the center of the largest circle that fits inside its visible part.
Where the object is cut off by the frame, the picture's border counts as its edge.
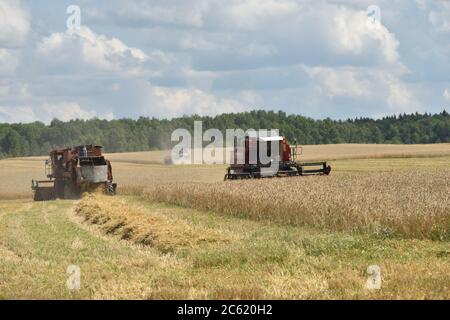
(74, 171)
(286, 156)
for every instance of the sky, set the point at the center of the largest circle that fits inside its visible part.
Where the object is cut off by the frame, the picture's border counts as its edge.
(337, 59)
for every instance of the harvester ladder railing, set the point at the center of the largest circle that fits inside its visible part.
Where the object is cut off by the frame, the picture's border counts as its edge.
(48, 168)
(295, 153)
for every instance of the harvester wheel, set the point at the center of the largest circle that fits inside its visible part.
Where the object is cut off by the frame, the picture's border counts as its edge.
(111, 188)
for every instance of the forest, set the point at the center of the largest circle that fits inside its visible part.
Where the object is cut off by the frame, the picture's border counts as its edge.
(127, 135)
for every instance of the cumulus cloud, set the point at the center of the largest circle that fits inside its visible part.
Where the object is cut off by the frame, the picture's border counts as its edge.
(96, 51)
(173, 101)
(167, 58)
(85, 46)
(354, 31)
(86, 55)
(14, 23)
(249, 34)
(14, 28)
(45, 112)
(365, 85)
(400, 98)
(342, 82)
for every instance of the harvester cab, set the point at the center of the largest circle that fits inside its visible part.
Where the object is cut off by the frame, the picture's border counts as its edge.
(246, 162)
(72, 171)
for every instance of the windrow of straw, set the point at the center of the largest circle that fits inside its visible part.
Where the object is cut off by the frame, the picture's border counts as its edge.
(410, 204)
(138, 225)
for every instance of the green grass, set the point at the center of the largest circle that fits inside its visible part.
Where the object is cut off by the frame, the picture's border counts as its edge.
(38, 241)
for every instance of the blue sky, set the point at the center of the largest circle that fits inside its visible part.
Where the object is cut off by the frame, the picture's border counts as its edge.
(170, 58)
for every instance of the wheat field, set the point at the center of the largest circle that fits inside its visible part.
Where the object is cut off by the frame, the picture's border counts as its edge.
(412, 204)
(318, 152)
(140, 169)
(181, 232)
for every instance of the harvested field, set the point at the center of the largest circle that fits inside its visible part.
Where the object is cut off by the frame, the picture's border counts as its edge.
(263, 260)
(130, 222)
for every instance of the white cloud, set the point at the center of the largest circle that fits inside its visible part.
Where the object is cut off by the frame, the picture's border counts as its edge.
(353, 32)
(341, 82)
(178, 101)
(278, 30)
(46, 112)
(86, 47)
(367, 85)
(169, 57)
(400, 98)
(14, 23)
(65, 111)
(14, 27)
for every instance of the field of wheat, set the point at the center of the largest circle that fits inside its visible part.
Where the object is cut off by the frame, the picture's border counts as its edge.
(406, 196)
(408, 204)
(317, 152)
(177, 232)
(140, 169)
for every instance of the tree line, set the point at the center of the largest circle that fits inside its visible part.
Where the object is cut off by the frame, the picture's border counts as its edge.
(127, 135)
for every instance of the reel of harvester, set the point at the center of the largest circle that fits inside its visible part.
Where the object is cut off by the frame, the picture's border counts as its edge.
(286, 156)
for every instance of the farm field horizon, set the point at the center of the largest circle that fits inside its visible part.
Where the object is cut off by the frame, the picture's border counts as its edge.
(133, 169)
(181, 232)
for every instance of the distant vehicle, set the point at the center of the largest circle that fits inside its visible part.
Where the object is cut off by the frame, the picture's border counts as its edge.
(286, 156)
(74, 171)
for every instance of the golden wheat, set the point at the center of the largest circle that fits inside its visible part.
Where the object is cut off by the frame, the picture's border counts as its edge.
(138, 169)
(410, 204)
(314, 152)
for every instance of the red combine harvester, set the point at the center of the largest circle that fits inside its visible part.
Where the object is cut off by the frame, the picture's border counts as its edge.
(74, 171)
(250, 165)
